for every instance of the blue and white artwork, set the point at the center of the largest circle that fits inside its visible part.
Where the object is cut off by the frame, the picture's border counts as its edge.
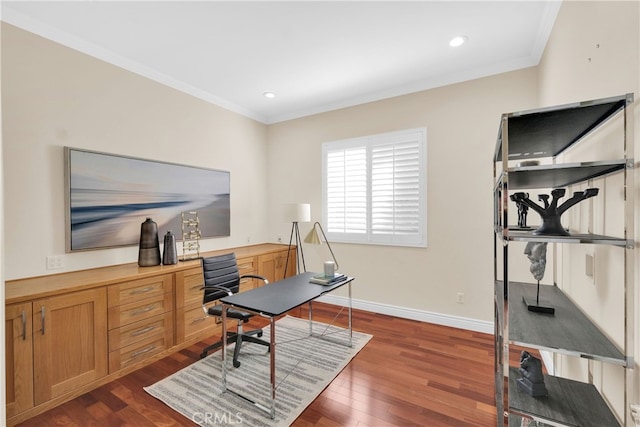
(109, 197)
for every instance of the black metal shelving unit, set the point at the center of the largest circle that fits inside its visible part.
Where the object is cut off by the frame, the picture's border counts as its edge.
(543, 134)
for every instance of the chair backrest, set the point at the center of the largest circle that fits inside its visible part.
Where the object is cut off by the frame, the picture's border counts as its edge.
(221, 270)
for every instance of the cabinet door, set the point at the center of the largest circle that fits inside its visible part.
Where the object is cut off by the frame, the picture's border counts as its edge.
(291, 267)
(69, 341)
(272, 265)
(19, 358)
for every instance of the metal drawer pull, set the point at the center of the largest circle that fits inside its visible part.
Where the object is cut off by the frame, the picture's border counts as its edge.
(143, 331)
(141, 291)
(143, 310)
(24, 325)
(196, 287)
(143, 351)
(198, 320)
(42, 316)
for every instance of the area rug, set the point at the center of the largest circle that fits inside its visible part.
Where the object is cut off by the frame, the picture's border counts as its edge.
(304, 367)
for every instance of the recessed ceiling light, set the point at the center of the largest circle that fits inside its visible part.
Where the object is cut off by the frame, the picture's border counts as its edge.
(458, 41)
(269, 95)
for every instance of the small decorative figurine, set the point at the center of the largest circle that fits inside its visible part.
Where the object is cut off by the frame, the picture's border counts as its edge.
(551, 213)
(537, 254)
(522, 211)
(190, 235)
(531, 380)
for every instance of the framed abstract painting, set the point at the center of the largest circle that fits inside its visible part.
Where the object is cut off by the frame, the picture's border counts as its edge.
(108, 197)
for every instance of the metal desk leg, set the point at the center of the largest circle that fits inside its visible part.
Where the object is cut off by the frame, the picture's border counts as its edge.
(272, 362)
(350, 325)
(224, 348)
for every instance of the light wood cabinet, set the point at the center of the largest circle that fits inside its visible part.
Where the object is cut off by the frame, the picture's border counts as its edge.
(69, 342)
(69, 333)
(140, 320)
(248, 265)
(191, 320)
(272, 265)
(18, 358)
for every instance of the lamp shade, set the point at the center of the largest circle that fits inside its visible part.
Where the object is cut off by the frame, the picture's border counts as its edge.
(297, 212)
(313, 237)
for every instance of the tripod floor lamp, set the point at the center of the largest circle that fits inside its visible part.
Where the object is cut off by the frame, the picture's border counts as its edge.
(295, 213)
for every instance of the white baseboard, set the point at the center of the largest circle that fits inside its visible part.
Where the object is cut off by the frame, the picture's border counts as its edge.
(413, 314)
(547, 359)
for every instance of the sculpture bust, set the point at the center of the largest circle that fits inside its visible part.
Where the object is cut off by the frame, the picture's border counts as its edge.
(532, 379)
(537, 254)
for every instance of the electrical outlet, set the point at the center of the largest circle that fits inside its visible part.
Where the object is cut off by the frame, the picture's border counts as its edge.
(279, 239)
(460, 298)
(54, 262)
(589, 265)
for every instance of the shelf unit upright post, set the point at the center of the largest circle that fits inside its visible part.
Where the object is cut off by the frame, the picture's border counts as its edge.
(629, 259)
(547, 133)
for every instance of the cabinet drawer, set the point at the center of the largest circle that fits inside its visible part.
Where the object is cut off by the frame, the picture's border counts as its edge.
(248, 283)
(247, 265)
(193, 323)
(189, 287)
(139, 310)
(136, 290)
(137, 352)
(161, 325)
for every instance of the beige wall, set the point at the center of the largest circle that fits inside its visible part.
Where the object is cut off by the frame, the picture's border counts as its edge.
(594, 52)
(462, 122)
(54, 96)
(57, 97)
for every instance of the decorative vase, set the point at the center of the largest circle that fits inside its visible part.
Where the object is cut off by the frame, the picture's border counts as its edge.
(169, 252)
(149, 252)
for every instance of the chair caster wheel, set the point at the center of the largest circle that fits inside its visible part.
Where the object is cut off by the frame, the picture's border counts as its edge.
(236, 364)
(259, 334)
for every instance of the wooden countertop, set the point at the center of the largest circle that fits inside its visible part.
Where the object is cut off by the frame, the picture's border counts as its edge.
(53, 284)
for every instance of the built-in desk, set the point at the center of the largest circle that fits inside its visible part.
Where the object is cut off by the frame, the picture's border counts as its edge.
(69, 333)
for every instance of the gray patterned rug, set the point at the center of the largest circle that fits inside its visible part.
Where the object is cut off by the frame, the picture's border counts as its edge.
(304, 367)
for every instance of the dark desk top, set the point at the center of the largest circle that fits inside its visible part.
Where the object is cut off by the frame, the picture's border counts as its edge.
(279, 297)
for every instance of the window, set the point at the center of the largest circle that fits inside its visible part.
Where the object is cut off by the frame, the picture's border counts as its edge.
(374, 189)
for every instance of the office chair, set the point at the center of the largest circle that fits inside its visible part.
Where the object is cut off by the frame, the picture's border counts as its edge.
(221, 278)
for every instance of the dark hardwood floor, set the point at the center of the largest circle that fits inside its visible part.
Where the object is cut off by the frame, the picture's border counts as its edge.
(410, 373)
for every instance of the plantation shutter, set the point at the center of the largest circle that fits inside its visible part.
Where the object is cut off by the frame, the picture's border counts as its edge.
(374, 189)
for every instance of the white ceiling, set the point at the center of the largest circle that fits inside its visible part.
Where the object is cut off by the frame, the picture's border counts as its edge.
(314, 55)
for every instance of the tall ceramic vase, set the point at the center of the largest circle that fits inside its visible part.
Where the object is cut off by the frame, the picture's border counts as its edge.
(149, 252)
(169, 252)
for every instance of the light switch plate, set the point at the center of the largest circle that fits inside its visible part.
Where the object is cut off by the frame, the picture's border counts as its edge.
(589, 265)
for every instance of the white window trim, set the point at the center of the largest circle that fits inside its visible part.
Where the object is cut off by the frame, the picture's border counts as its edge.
(418, 240)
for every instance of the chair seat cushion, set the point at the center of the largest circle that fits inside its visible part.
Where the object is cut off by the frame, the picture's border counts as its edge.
(216, 310)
